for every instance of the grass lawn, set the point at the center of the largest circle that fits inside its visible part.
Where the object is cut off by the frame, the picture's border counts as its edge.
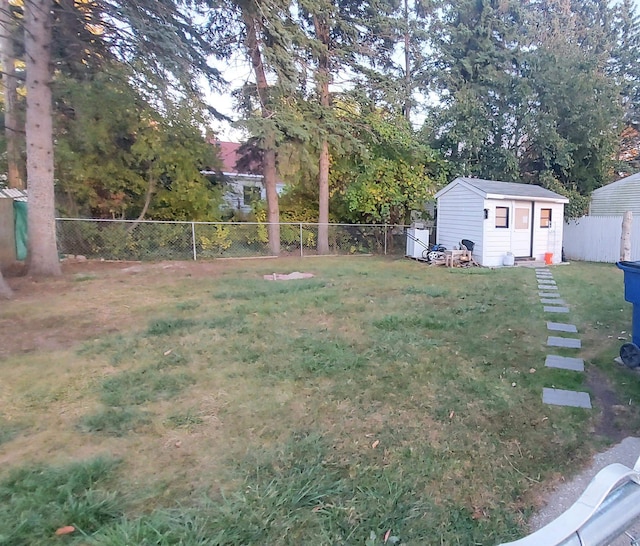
(190, 404)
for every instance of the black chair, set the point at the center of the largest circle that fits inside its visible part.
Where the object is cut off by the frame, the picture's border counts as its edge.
(466, 243)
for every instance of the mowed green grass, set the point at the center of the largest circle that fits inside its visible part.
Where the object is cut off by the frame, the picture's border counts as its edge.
(381, 396)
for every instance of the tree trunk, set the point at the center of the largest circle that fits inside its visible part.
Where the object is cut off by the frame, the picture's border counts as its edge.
(43, 252)
(151, 186)
(9, 84)
(407, 64)
(322, 33)
(323, 199)
(5, 291)
(269, 172)
(625, 240)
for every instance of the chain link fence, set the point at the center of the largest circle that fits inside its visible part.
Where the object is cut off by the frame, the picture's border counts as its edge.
(155, 240)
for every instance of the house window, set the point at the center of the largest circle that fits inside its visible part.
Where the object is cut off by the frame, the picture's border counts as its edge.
(251, 195)
(502, 217)
(545, 218)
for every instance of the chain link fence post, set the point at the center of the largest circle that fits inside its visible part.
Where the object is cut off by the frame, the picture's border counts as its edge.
(301, 242)
(193, 240)
(385, 239)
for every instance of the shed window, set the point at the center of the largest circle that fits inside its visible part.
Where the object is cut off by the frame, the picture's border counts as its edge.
(545, 218)
(502, 217)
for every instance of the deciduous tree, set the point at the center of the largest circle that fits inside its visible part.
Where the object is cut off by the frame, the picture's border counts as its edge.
(389, 174)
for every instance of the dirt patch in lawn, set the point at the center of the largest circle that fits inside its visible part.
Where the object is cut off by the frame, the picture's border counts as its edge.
(616, 418)
(82, 311)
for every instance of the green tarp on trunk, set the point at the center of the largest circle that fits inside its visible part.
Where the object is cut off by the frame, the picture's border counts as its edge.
(20, 215)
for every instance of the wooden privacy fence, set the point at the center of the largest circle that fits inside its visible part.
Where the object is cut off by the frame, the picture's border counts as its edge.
(597, 239)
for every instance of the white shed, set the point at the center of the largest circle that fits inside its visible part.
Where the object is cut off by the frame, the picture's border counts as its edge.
(501, 217)
(616, 198)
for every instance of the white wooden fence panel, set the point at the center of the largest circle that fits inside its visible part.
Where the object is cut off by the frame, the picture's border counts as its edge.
(597, 239)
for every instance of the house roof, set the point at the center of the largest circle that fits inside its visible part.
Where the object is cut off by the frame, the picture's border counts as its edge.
(233, 161)
(632, 180)
(228, 152)
(494, 189)
(13, 193)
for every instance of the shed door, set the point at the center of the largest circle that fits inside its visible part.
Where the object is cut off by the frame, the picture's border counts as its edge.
(522, 229)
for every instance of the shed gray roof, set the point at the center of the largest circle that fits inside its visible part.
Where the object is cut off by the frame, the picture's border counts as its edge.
(496, 189)
(13, 193)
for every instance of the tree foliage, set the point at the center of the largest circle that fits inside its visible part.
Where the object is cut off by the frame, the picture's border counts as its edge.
(390, 175)
(116, 155)
(534, 91)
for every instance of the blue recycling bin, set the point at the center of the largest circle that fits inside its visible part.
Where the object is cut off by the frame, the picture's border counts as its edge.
(630, 352)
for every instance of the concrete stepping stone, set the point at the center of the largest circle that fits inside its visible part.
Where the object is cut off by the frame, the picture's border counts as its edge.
(542, 269)
(544, 294)
(555, 301)
(555, 309)
(547, 287)
(544, 274)
(568, 342)
(562, 327)
(545, 281)
(564, 363)
(559, 397)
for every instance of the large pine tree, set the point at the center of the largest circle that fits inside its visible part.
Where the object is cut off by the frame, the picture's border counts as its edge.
(159, 40)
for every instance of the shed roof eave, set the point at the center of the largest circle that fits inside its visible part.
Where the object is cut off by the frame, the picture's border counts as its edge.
(459, 182)
(525, 198)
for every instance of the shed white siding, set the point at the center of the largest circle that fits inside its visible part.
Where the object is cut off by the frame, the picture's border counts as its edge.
(460, 216)
(496, 241)
(548, 239)
(463, 205)
(617, 198)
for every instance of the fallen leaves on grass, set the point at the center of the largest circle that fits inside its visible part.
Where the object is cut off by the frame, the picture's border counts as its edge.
(66, 530)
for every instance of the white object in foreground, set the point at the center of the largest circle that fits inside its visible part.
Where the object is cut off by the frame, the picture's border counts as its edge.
(608, 507)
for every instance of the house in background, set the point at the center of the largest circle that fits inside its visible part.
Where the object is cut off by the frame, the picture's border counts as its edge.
(501, 217)
(244, 184)
(616, 198)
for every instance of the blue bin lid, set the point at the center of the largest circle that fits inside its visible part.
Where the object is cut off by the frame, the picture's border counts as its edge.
(629, 266)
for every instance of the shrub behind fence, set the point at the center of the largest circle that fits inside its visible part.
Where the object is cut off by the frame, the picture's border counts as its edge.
(154, 240)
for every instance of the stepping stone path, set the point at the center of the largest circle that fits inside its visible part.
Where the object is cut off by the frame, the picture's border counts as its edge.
(567, 342)
(559, 397)
(554, 304)
(564, 363)
(555, 309)
(562, 327)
